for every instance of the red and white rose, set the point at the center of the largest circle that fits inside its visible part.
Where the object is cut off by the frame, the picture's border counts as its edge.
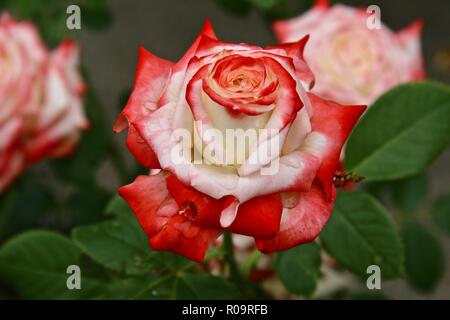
(222, 86)
(352, 62)
(41, 111)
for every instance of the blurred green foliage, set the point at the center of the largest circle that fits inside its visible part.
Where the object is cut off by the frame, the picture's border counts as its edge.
(424, 257)
(270, 9)
(441, 213)
(50, 16)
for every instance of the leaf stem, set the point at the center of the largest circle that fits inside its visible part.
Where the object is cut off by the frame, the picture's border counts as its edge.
(153, 284)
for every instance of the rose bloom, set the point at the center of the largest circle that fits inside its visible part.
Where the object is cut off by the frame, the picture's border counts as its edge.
(186, 205)
(352, 63)
(41, 112)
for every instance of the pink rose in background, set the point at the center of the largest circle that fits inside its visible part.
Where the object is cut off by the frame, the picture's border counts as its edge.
(41, 111)
(351, 62)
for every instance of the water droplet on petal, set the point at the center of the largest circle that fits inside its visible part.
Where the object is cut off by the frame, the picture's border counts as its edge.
(188, 210)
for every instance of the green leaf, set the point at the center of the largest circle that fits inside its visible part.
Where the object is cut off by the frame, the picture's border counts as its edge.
(120, 245)
(126, 228)
(441, 213)
(299, 268)
(378, 189)
(96, 15)
(305, 5)
(361, 233)
(35, 264)
(401, 133)
(132, 288)
(250, 262)
(424, 257)
(24, 8)
(52, 25)
(118, 207)
(204, 286)
(273, 10)
(410, 193)
(51, 16)
(170, 261)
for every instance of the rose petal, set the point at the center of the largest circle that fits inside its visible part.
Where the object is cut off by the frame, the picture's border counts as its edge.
(294, 29)
(158, 214)
(295, 50)
(141, 150)
(207, 209)
(295, 171)
(184, 238)
(334, 122)
(258, 217)
(302, 223)
(228, 215)
(410, 40)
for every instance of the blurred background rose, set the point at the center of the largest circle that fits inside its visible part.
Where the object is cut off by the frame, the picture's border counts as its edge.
(41, 111)
(352, 63)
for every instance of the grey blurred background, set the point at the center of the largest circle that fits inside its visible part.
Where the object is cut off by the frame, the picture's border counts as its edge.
(168, 27)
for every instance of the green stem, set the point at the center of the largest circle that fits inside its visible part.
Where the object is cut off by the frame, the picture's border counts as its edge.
(155, 283)
(235, 273)
(244, 285)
